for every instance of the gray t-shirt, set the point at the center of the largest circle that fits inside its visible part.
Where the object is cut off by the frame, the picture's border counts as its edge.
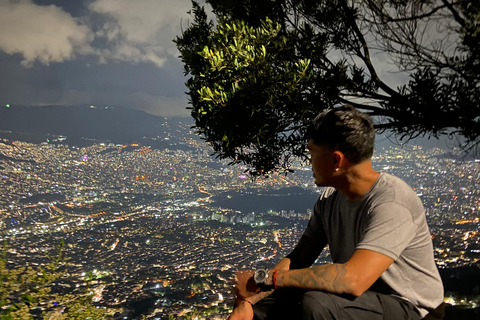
(389, 219)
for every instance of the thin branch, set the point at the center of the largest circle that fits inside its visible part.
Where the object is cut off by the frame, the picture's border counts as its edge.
(454, 12)
(366, 54)
(410, 18)
(377, 111)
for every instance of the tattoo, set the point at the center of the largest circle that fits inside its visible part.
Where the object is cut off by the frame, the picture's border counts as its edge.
(331, 278)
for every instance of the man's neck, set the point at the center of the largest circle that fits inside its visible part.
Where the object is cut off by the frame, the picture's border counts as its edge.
(357, 180)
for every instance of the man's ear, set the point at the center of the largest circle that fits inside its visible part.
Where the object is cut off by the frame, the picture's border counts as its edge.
(338, 158)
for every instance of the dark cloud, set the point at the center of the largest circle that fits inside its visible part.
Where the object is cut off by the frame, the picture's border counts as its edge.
(105, 52)
(77, 8)
(143, 86)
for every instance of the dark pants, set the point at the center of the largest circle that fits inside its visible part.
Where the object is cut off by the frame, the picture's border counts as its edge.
(294, 304)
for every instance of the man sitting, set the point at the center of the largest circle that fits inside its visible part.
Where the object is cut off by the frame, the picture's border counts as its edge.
(375, 226)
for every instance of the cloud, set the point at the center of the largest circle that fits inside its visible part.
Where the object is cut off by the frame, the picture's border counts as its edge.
(123, 30)
(140, 30)
(44, 33)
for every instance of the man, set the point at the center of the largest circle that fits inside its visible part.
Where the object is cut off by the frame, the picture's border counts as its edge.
(374, 224)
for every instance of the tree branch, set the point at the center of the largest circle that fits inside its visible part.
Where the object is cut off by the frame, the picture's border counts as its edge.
(454, 12)
(387, 18)
(366, 54)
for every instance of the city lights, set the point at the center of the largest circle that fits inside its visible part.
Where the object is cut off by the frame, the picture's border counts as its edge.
(144, 221)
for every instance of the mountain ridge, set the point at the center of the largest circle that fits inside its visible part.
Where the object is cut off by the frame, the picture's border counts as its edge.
(82, 125)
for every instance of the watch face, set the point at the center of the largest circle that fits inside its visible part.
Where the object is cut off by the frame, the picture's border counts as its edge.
(260, 276)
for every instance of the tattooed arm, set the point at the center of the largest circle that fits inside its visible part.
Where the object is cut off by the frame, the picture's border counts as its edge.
(304, 254)
(353, 277)
(283, 264)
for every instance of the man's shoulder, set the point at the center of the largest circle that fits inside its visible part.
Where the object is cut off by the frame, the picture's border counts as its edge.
(390, 179)
(392, 185)
(393, 189)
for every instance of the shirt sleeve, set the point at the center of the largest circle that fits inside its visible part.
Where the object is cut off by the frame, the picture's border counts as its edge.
(389, 230)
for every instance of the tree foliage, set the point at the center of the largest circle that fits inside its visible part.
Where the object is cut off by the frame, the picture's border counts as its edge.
(26, 293)
(263, 69)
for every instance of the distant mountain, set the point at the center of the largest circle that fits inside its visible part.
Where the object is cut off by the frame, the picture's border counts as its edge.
(84, 125)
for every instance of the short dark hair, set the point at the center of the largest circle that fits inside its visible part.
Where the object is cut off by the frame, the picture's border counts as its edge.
(345, 129)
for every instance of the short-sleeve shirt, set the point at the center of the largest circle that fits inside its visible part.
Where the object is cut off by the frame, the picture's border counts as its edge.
(388, 219)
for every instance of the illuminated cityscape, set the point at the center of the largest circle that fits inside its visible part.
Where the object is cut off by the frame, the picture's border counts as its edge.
(162, 230)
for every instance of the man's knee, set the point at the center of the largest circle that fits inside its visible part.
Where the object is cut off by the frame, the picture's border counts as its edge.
(317, 305)
(371, 306)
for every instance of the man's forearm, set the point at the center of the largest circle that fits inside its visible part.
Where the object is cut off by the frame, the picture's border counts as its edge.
(262, 295)
(330, 277)
(283, 264)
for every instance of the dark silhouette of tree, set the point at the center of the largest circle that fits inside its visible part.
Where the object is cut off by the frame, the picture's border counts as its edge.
(263, 69)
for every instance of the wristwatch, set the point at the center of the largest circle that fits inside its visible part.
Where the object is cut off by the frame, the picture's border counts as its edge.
(260, 277)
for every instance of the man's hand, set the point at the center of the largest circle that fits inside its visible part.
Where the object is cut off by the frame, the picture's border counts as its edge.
(245, 286)
(243, 311)
(246, 289)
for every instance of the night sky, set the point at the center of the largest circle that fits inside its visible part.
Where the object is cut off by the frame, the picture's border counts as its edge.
(100, 52)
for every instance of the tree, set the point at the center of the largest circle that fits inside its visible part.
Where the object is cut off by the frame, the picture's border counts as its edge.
(261, 72)
(26, 293)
